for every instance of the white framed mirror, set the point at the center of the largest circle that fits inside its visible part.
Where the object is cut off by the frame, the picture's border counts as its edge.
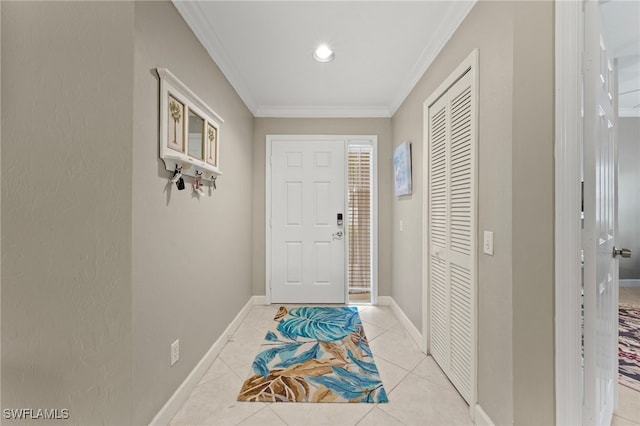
(189, 130)
(195, 136)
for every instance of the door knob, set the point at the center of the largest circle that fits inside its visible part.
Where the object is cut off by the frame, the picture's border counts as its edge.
(338, 234)
(624, 252)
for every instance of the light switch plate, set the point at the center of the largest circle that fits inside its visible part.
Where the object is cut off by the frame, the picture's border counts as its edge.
(487, 245)
(175, 352)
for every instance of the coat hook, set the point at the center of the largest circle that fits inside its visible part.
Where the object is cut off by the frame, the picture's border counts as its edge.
(177, 175)
(197, 187)
(213, 181)
(198, 173)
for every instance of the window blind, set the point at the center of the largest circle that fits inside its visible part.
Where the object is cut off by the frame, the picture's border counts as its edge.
(360, 223)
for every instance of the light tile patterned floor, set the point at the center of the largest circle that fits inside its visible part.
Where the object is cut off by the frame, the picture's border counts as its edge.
(419, 393)
(628, 411)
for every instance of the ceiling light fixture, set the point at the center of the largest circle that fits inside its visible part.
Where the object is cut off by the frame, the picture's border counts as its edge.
(323, 54)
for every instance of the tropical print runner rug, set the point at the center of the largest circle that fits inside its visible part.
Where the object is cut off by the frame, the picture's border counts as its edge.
(315, 354)
(629, 346)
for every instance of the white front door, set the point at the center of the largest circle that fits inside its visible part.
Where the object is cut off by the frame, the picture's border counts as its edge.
(600, 265)
(306, 253)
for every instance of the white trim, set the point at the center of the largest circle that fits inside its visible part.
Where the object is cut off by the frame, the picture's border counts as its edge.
(194, 16)
(448, 26)
(192, 13)
(323, 111)
(267, 220)
(171, 407)
(568, 47)
(347, 139)
(374, 233)
(481, 418)
(384, 300)
(406, 322)
(471, 63)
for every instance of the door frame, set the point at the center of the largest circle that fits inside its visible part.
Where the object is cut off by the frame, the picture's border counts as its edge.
(569, 36)
(348, 140)
(470, 64)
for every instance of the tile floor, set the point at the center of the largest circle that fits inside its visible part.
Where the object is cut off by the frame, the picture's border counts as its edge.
(628, 411)
(419, 393)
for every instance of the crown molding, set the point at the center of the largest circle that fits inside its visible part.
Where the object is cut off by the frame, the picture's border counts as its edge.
(323, 112)
(194, 17)
(448, 26)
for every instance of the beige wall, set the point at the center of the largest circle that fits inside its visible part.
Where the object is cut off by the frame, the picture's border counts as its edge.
(629, 195)
(488, 27)
(323, 126)
(511, 91)
(66, 208)
(533, 214)
(191, 257)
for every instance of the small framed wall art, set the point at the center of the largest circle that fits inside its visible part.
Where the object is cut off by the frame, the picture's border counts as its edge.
(402, 169)
(212, 141)
(175, 121)
(189, 130)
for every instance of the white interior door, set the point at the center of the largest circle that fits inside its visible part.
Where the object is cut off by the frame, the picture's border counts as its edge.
(600, 265)
(451, 231)
(307, 244)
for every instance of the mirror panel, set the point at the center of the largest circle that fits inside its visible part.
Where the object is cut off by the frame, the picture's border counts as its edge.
(196, 136)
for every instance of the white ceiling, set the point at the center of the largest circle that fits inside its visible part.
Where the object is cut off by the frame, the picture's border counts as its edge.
(382, 48)
(265, 48)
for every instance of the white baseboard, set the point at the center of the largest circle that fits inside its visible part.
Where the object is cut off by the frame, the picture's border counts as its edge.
(481, 418)
(259, 300)
(406, 322)
(384, 300)
(171, 407)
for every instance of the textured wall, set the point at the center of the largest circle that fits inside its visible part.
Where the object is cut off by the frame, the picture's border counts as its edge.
(629, 195)
(66, 208)
(533, 214)
(489, 27)
(323, 126)
(191, 257)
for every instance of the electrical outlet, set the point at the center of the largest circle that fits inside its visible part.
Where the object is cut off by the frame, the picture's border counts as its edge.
(175, 352)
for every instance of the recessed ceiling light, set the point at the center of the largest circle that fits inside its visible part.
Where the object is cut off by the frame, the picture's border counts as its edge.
(323, 54)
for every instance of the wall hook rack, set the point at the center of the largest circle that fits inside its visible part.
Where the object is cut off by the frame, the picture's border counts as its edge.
(189, 130)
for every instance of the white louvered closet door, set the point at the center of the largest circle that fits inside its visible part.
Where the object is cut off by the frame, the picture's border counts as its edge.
(452, 233)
